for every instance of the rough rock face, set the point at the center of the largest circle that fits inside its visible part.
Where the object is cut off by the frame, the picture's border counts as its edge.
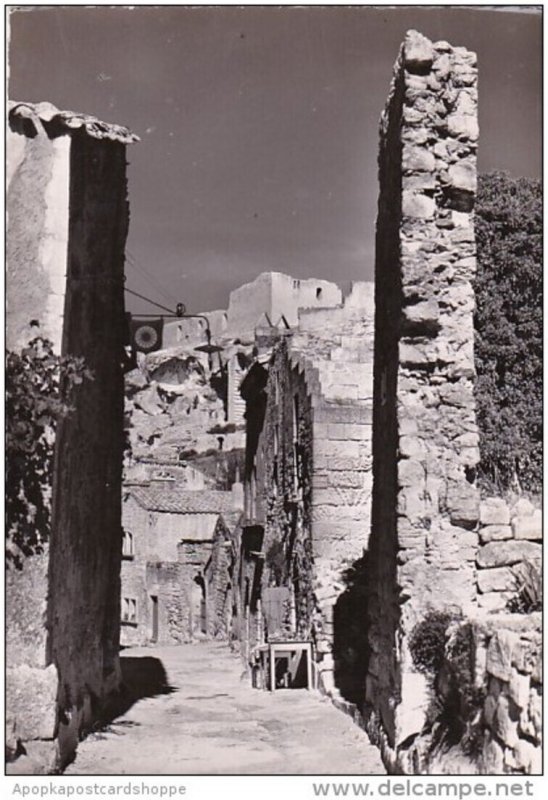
(171, 406)
(425, 444)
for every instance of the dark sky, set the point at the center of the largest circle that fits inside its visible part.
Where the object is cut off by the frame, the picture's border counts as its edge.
(259, 125)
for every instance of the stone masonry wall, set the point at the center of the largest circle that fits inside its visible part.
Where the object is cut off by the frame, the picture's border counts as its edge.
(512, 710)
(170, 584)
(425, 447)
(311, 462)
(333, 350)
(510, 538)
(488, 692)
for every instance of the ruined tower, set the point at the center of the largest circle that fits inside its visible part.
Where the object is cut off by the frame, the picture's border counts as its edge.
(425, 442)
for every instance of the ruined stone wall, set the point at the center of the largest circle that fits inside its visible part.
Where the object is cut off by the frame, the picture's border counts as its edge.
(37, 229)
(487, 691)
(283, 480)
(334, 350)
(511, 649)
(510, 540)
(291, 294)
(68, 218)
(308, 479)
(85, 550)
(246, 305)
(276, 294)
(425, 447)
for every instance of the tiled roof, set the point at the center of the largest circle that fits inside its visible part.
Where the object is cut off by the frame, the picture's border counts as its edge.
(70, 120)
(176, 501)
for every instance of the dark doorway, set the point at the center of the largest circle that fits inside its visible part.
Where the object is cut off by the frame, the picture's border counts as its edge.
(199, 606)
(291, 670)
(154, 609)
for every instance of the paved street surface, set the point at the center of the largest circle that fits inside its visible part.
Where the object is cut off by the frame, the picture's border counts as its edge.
(210, 721)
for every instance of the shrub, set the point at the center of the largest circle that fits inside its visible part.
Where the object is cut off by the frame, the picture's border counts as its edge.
(508, 327)
(40, 389)
(454, 714)
(427, 641)
(529, 590)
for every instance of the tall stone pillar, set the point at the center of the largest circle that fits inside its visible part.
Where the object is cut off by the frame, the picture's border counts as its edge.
(425, 440)
(68, 219)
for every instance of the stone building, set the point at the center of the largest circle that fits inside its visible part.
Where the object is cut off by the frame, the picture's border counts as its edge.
(176, 542)
(191, 331)
(67, 221)
(308, 478)
(276, 295)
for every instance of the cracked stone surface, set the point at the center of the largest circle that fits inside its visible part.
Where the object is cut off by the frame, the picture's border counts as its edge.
(210, 721)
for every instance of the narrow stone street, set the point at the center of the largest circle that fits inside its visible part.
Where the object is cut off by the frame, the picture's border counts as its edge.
(199, 715)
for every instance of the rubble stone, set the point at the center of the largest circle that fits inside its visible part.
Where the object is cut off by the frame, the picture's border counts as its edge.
(491, 533)
(497, 579)
(528, 527)
(419, 53)
(499, 654)
(506, 553)
(494, 511)
(505, 723)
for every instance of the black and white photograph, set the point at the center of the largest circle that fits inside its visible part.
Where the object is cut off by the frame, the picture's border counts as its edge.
(273, 398)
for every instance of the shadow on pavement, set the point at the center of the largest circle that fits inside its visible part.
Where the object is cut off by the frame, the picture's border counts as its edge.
(142, 676)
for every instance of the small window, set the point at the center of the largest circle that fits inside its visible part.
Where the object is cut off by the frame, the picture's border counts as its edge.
(319, 293)
(127, 545)
(129, 611)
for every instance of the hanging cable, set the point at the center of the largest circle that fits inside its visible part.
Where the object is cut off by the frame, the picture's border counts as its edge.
(148, 300)
(143, 275)
(151, 280)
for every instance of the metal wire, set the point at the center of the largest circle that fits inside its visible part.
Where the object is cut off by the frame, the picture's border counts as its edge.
(150, 279)
(148, 300)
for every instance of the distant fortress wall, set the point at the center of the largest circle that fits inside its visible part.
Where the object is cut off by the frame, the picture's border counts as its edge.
(271, 293)
(276, 294)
